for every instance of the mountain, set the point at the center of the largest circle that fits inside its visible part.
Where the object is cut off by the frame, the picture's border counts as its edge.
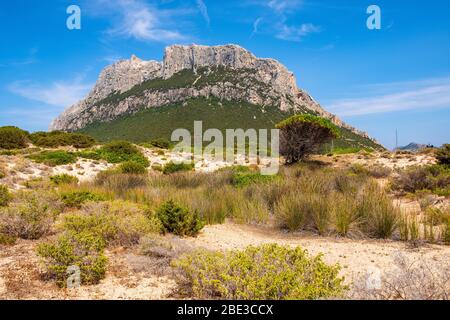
(412, 147)
(194, 83)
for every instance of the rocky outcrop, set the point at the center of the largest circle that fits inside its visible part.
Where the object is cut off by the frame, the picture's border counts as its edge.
(258, 81)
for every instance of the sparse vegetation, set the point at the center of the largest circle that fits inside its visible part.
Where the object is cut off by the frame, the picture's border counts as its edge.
(268, 272)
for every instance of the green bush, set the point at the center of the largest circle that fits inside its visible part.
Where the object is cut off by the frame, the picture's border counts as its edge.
(30, 215)
(75, 199)
(5, 196)
(54, 158)
(132, 167)
(83, 250)
(179, 220)
(161, 143)
(443, 154)
(243, 179)
(172, 167)
(13, 138)
(59, 138)
(267, 272)
(63, 179)
(117, 223)
(122, 151)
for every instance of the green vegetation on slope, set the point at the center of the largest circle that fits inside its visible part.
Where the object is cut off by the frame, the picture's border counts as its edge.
(160, 122)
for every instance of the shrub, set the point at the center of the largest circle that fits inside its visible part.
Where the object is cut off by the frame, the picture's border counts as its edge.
(443, 154)
(161, 143)
(7, 240)
(82, 250)
(117, 223)
(301, 135)
(172, 167)
(435, 178)
(242, 179)
(75, 199)
(179, 220)
(30, 215)
(63, 179)
(54, 158)
(122, 151)
(268, 272)
(132, 167)
(59, 138)
(5, 196)
(13, 138)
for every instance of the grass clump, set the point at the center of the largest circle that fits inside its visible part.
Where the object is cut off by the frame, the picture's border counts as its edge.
(63, 179)
(81, 250)
(179, 220)
(54, 158)
(5, 196)
(117, 223)
(172, 167)
(13, 138)
(30, 215)
(267, 272)
(132, 167)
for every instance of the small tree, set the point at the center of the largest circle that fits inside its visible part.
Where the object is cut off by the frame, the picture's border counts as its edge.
(301, 135)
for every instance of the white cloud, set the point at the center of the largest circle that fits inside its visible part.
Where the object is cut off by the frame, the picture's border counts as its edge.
(256, 26)
(137, 19)
(293, 33)
(59, 93)
(284, 5)
(400, 96)
(203, 10)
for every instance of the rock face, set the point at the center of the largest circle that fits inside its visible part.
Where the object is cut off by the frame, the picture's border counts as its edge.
(255, 80)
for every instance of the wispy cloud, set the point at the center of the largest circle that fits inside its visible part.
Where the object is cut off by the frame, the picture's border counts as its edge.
(256, 26)
(58, 93)
(283, 6)
(204, 11)
(140, 20)
(399, 96)
(293, 33)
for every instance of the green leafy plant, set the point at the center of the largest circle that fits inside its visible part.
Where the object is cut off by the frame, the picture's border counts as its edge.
(179, 220)
(82, 250)
(267, 272)
(75, 199)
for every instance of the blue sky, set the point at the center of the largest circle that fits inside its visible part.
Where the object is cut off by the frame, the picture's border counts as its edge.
(376, 80)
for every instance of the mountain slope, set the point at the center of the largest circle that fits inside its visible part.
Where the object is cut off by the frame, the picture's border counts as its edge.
(129, 88)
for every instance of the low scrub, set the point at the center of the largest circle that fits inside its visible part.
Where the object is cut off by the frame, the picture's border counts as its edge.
(443, 154)
(76, 198)
(179, 220)
(5, 196)
(122, 151)
(63, 179)
(242, 179)
(30, 215)
(54, 158)
(74, 251)
(117, 223)
(132, 167)
(268, 272)
(59, 138)
(172, 167)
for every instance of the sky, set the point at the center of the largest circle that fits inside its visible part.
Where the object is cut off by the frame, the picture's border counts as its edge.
(378, 80)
